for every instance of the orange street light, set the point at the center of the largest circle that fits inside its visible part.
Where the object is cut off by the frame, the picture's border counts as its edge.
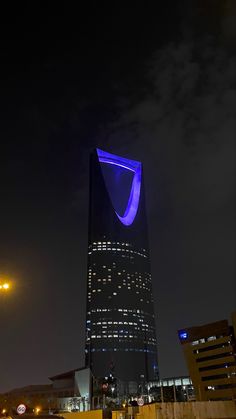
(4, 286)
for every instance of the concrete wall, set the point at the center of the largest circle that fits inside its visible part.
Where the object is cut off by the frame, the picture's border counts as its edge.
(189, 410)
(119, 414)
(91, 414)
(185, 410)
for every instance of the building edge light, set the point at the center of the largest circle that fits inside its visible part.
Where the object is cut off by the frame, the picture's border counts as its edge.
(134, 197)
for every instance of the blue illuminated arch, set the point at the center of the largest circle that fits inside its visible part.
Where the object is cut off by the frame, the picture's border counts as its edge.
(133, 166)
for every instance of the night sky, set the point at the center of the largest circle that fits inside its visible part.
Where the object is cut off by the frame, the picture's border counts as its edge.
(152, 84)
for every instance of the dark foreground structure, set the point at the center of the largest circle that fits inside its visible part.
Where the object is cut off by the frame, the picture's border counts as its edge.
(120, 331)
(210, 353)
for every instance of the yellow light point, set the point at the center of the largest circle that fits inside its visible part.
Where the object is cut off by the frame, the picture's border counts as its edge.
(6, 286)
(37, 409)
(3, 411)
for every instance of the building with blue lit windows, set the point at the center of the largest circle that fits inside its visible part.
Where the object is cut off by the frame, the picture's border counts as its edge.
(120, 328)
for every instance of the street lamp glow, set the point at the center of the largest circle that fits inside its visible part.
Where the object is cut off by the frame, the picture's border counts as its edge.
(4, 286)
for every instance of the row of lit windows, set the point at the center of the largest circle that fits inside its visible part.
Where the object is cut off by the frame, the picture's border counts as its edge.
(176, 381)
(140, 313)
(115, 294)
(121, 350)
(143, 325)
(112, 336)
(129, 275)
(143, 277)
(144, 328)
(203, 340)
(141, 318)
(108, 242)
(128, 285)
(116, 249)
(104, 281)
(114, 266)
(147, 328)
(121, 333)
(150, 341)
(136, 334)
(104, 323)
(104, 243)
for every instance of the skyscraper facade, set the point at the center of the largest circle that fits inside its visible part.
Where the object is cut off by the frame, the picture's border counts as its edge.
(120, 328)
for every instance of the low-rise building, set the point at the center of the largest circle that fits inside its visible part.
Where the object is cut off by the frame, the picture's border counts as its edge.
(69, 391)
(210, 353)
(172, 389)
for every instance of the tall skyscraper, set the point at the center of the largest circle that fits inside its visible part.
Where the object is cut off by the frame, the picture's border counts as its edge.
(121, 336)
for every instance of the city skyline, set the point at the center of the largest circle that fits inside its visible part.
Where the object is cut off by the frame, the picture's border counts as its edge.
(156, 87)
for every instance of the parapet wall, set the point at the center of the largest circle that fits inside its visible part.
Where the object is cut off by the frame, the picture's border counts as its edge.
(189, 410)
(185, 410)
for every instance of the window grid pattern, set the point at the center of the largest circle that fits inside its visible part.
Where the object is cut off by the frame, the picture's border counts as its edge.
(120, 294)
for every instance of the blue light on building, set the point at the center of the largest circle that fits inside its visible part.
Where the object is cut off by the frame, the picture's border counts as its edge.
(134, 166)
(183, 335)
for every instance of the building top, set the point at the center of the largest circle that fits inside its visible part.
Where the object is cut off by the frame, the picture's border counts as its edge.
(129, 165)
(67, 374)
(190, 334)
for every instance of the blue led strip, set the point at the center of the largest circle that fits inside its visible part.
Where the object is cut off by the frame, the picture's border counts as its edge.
(135, 167)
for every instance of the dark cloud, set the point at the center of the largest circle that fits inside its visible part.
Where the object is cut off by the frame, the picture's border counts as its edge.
(184, 130)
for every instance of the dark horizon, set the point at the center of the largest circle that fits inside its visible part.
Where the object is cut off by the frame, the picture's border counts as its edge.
(154, 87)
